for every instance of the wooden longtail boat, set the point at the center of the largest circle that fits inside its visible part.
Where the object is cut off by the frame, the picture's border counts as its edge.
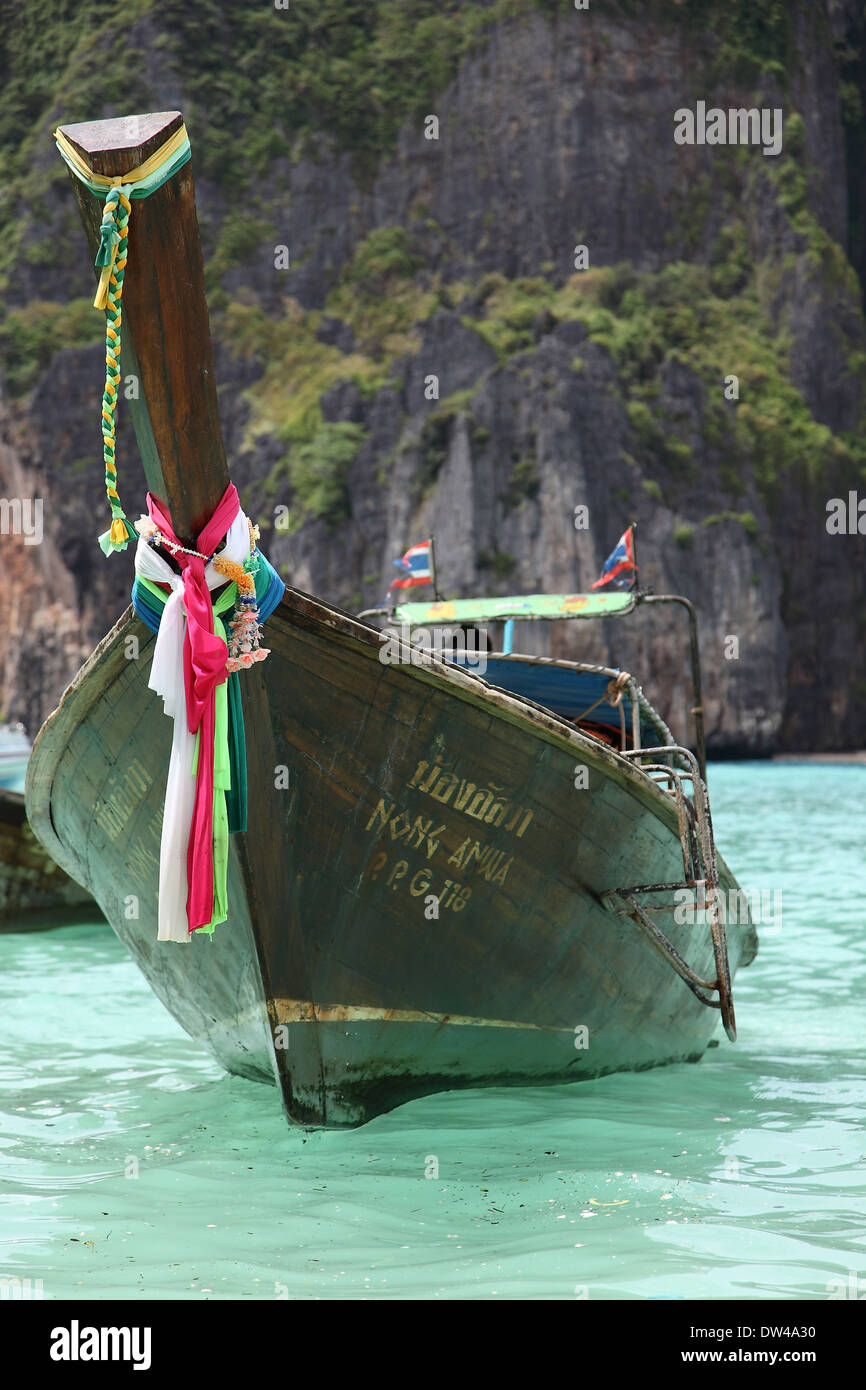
(33, 889)
(447, 880)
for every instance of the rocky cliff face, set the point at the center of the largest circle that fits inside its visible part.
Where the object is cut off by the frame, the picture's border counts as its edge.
(437, 359)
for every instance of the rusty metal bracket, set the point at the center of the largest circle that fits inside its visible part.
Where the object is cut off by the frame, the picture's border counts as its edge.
(666, 949)
(700, 870)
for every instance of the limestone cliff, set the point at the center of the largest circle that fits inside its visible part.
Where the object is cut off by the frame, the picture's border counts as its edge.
(432, 359)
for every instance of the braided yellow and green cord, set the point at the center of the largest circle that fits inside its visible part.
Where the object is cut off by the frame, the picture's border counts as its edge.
(112, 253)
(140, 182)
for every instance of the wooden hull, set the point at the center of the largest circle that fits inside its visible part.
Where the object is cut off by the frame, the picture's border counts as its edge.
(33, 889)
(332, 977)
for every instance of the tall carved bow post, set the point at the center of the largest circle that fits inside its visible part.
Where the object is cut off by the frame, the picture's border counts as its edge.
(183, 590)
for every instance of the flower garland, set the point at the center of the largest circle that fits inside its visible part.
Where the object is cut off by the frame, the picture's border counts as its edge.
(244, 647)
(196, 665)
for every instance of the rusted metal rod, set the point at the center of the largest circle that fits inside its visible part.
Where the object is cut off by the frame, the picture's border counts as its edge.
(697, 688)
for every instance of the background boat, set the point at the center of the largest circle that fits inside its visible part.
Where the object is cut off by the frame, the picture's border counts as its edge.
(34, 889)
(14, 756)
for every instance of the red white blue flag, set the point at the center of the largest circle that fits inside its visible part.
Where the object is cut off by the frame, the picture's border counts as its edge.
(620, 570)
(414, 567)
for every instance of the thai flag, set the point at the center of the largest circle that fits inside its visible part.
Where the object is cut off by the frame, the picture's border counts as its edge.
(414, 567)
(620, 570)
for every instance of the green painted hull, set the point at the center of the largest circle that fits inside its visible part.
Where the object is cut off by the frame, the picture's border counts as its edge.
(375, 790)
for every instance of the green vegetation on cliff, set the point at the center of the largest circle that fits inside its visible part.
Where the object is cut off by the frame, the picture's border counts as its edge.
(746, 39)
(262, 85)
(29, 338)
(318, 473)
(375, 297)
(649, 323)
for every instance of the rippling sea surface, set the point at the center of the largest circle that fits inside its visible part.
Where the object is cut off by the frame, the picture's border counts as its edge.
(132, 1167)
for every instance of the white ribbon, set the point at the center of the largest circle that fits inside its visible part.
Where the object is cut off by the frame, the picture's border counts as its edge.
(166, 678)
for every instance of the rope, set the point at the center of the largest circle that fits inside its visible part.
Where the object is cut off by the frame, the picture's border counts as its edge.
(615, 691)
(146, 178)
(114, 238)
(613, 695)
(111, 258)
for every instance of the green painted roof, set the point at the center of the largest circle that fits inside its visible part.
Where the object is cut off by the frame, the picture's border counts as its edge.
(525, 607)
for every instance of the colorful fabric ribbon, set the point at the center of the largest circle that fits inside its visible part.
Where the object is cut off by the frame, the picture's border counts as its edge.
(189, 672)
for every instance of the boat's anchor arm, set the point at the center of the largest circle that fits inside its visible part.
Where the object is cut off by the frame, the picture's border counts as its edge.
(666, 949)
(695, 827)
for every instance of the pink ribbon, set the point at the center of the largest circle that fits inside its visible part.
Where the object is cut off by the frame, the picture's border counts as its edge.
(204, 668)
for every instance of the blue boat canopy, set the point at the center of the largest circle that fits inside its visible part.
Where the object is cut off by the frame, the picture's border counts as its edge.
(564, 690)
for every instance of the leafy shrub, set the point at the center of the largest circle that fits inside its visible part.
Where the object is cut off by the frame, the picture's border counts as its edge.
(319, 471)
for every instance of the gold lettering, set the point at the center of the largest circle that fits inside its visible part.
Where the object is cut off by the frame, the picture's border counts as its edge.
(422, 878)
(488, 864)
(526, 819)
(422, 830)
(457, 856)
(400, 869)
(447, 783)
(433, 845)
(477, 853)
(383, 812)
(462, 798)
(503, 872)
(418, 833)
(405, 827)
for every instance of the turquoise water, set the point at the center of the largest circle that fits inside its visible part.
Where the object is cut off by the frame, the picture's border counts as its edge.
(131, 1166)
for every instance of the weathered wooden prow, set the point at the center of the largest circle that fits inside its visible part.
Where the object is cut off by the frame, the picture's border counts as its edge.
(166, 342)
(166, 337)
